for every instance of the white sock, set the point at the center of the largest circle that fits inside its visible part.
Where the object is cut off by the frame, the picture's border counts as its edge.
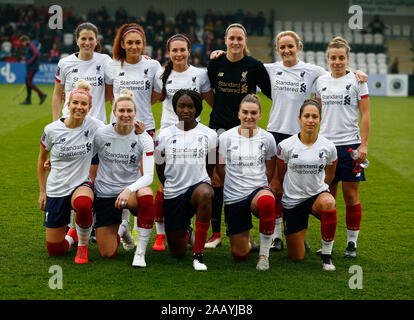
(83, 235)
(70, 240)
(70, 225)
(135, 223)
(143, 238)
(122, 229)
(352, 235)
(278, 229)
(327, 247)
(125, 214)
(265, 244)
(159, 226)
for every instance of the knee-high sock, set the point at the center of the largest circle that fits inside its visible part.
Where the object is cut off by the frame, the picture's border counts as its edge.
(159, 212)
(267, 214)
(278, 222)
(84, 218)
(201, 231)
(217, 209)
(145, 221)
(57, 249)
(328, 229)
(353, 222)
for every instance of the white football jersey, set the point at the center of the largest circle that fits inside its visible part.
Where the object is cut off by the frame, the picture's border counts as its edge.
(193, 78)
(184, 154)
(70, 69)
(245, 162)
(70, 154)
(290, 87)
(119, 159)
(305, 175)
(139, 78)
(340, 110)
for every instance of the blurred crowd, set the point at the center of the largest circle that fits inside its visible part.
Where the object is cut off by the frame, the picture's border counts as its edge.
(206, 33)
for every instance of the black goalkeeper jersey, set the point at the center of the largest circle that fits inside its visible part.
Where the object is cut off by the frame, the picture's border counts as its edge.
(232, 81)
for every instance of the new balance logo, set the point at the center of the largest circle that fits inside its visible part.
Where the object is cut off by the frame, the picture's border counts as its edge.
(220, 74)
(121, 74)
(75, 70)
(279, 73)
(108, 144)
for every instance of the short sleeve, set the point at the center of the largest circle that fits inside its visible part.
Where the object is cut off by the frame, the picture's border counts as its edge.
(212, 140)
(317, 88)
(158, 81)
(222, 147)
(271, 150)
(205, 85)
(147, 144)
(109, 79)
(362, 90)
(281, 153)
(332, 156)
(46, 140)
(60, 75)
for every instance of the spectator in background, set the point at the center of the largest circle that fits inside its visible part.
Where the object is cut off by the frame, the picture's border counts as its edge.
(32, 66)
(54, 54)
(376, 25)
(151, 16)
(260, 24)
(394, 66)
(121, 16)
(219, 29)
(239, 16)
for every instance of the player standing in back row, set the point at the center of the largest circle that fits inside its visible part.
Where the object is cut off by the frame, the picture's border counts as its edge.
(343, 99)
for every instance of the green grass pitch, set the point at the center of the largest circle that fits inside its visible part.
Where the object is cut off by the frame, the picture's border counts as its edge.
(385, 243)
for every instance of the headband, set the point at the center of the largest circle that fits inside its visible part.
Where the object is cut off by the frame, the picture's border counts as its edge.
(132, 29)
(81, 91)
(236, 25)
(178, 37)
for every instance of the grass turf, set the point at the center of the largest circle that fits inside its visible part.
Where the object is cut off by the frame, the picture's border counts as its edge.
(384, 246)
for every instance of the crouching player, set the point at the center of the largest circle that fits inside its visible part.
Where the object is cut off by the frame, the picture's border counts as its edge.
(69, 141)
(247, 158)
(119, 183)
(306, 165)
(185, 159)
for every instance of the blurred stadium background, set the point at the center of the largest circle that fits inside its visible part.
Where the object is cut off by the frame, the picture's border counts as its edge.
(383, 48)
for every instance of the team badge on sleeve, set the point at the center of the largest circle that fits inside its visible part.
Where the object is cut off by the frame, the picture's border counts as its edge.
(279, 149)
(57, 71)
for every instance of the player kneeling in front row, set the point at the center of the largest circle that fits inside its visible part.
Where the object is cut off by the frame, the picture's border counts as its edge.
(119, 183)
(306, 165)
(247, 157)
(68, 140)
(185, 159)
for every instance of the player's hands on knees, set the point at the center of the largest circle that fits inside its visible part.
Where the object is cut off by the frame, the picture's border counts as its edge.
(122, 200)
(42, 201)
(47, 165)
(139, 127)
(362, 153)
(216, 53)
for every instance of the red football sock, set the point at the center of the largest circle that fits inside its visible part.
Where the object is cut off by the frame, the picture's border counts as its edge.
(267, 214)
(57, 249)
(83, 208)
(328, 225)
(159, 207)
(200, 238)
(353, 217)
(145, 217)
